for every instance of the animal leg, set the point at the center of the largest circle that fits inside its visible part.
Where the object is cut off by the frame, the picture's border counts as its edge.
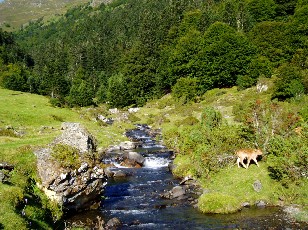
(248, 162)
(256, 162)
(239, 160)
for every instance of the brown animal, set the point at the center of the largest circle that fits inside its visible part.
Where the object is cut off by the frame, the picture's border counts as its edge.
(250, 154)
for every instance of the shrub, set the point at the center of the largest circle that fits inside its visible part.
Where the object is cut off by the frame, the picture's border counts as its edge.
(288, 159)
(244, 82)
(188, 121)
(7, 133)
(66, 155)
(133, 118)
(210, 118)
(56, 102)
(185, 89)
(218, 203)
(57, 118)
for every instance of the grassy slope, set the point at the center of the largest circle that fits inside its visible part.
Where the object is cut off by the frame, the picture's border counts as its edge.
(18, 12)
(230, 183)
(29, 113)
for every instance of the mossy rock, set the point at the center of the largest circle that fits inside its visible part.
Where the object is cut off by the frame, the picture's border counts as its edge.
(218, 203)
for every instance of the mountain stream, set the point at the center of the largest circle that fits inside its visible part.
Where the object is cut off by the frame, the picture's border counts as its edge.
(137, 201)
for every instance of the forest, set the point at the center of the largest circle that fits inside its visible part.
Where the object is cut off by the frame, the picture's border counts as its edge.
(128, 52)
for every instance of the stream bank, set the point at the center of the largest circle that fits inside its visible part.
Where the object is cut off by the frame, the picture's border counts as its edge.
(149, 197)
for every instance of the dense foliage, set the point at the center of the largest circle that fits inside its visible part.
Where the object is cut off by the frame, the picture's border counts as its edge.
(130, 51)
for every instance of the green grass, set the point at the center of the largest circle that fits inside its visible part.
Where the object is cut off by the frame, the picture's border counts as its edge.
(18, 12)
(39, 122)
(238, 183)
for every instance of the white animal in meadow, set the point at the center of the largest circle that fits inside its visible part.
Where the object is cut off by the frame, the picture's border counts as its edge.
(250, 154)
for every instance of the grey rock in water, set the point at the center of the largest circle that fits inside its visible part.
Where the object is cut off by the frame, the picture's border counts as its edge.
(74, 189)
(128, 145)
(113, 223)
(137, 157)
(175, 192)
(119, 174)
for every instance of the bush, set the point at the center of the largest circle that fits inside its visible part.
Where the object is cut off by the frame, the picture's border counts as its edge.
(218, 203)
(244, 82)
(210, 118)
(133, 118)
(67, 156)
(185, 89)
(188, 121)
(288, 159)
(7, 133)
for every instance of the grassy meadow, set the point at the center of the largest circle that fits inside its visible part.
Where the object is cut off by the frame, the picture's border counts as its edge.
(37, 124)
(15, 13)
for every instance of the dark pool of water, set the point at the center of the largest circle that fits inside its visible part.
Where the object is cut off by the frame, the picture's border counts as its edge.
(136, 200)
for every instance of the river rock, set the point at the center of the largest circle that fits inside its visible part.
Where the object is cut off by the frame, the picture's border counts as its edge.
(137, 157)
(175, 192)
(108, 172)
(130, 163)
(128, 145)
(74, 188)
(187, 180)
(113, 223)
(119, 173)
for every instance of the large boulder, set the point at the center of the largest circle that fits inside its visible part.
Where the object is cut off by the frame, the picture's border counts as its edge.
(75, 188)
(128, 145)
(137, 157)
(76, 136)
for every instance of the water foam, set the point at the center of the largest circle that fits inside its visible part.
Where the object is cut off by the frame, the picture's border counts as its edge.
(155, 162)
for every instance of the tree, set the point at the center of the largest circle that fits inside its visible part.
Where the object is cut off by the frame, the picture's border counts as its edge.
(289, 83)
(117, 93)
(15, 77)
(262, 10)
(226, 54)
(81, 94)
(185, 89)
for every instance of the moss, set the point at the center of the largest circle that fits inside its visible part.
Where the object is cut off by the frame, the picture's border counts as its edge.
(218, 203)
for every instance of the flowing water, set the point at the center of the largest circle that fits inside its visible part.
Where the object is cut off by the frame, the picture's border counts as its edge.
(136, 199)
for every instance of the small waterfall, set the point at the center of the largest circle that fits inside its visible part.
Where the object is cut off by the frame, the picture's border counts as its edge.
(156, 162)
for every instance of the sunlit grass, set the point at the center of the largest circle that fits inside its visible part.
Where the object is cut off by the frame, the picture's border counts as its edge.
(37, 124)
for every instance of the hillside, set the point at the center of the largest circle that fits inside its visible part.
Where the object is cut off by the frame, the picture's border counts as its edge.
(26, 124)
(15, 13)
